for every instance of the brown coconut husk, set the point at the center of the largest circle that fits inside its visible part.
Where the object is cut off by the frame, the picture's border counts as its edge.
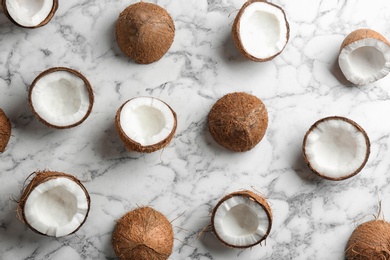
(87, 85)
(134, 146)
(238, 121)
(44, 22)
(37, 179)
(5, 130)
(143, 234)
(254, 197)
(145, 32)
(358, 127)
(236, 32)
(361, 34)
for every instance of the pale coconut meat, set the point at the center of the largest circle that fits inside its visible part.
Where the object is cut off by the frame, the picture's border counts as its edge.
(336, 148)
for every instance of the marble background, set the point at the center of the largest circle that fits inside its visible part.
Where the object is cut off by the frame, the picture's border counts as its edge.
(313, 218)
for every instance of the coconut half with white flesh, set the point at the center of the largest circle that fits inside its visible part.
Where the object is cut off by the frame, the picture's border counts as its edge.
(5, 130)
(30, 13)
(61, 97)
(145, 124)
(260, 30)
(364, 57)
(54, 204)
(242, 219)
(336, 148)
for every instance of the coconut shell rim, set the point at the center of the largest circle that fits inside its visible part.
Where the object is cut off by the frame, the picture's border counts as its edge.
(361, 34)
(9, 126)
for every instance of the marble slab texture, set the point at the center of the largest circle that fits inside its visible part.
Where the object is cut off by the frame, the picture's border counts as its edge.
(313, 218)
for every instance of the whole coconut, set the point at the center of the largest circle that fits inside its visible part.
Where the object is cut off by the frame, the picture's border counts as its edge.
(5, 130)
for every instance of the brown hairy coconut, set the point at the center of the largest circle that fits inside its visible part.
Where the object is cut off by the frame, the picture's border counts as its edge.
(143, 234)
(145, 32)
(241, 219)
(53, 204)
(238, 121)
(5, 130)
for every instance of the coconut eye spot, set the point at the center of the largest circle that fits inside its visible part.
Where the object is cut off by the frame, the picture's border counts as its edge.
(29, 12)
(240, 221)
(366, 61)
(148, 121)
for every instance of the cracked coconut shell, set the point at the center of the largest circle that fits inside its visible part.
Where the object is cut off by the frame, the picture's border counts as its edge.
(5, 130)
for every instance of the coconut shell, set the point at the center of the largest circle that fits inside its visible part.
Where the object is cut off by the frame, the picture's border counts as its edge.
(143, 234)
(254, 197)
(37, 179)
(145, 32)
(236, 32)
(5, 130)
(370, 240)
(361, 34)
(44, 22)
(238, 121)
(81, 76)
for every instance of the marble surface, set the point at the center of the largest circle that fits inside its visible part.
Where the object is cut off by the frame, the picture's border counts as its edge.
(313, 218)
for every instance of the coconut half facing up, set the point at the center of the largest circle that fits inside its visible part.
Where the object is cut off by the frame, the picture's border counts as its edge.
(364, 57)
(5, 130)
(336, 148)
(143, 234)
(30, 13)
(61, 97)
(145, 124)
(260, 30)
(241, 219)
(54, 204)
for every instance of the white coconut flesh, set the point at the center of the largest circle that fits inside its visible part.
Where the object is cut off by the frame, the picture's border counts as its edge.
(336, 149)
(29, 13)
(239, 221)
(365, 61)
(263, 30)
(60, 98)
(146, 120)
(56, 207)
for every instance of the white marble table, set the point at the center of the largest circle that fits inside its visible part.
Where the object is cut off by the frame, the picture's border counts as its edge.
(313, 218)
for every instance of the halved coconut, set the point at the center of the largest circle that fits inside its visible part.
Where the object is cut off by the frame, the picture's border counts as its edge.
(5, 130)
(30, 13)
(364, 57)
(238, 121)
(143, 233)
(336, 148)
(145, 124)
(61, 97)
(145, 32)
(54, 204)
(260, 30)
(241, 219)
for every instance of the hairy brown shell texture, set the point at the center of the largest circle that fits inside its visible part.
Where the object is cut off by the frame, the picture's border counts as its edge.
(5, 130)
(238, 121)
(143, 234)
(370, 241)
(145, 32)
(361, 34)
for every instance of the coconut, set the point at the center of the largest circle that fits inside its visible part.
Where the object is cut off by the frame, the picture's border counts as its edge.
(29, 13)
(5, 130)
(54, 204)
(364, 57)
(61, 97)
(145, 124)
(241, 219)
(143, 234)
(238, 121)
(336, 148)
(145, 32)
(260, 30)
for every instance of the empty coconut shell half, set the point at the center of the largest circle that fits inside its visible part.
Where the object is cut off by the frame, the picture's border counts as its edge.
(364, 57)
(29, 13)
(145, 32)
(5, 130)
(336, 148)
(242, 219)
(143, 234)
(260, 30)
(238, 121)
(54, 204)
(61, 97)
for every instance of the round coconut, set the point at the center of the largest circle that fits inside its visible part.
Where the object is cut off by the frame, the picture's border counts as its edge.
(5, 130)
(143, 234)
(238, 121)
(370, 240)
(145, 32)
